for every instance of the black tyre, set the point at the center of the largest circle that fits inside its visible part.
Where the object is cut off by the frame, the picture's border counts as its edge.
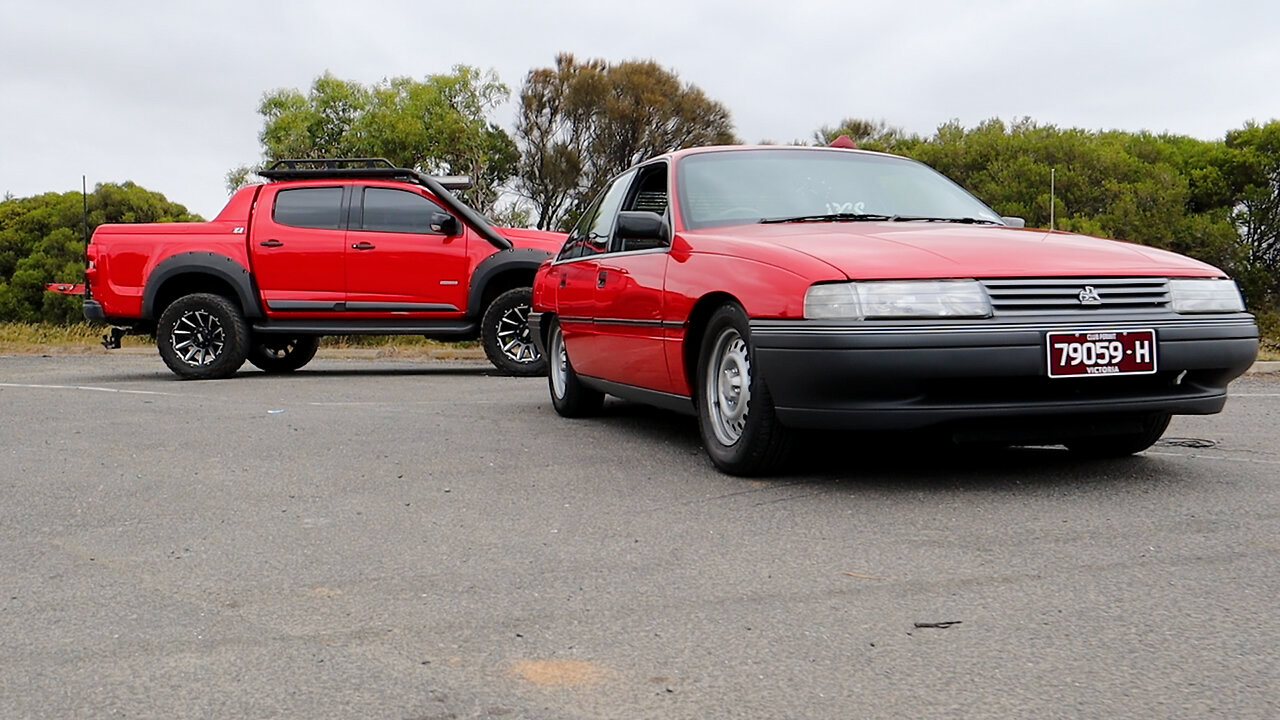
(504, 333)
(739, 428)
(568, 395)
(1123, 444)
(202, 337)
(282, 353)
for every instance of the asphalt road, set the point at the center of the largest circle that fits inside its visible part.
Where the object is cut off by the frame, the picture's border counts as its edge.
(422, 540)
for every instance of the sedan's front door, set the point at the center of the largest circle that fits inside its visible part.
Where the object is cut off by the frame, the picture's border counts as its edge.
(580, 274)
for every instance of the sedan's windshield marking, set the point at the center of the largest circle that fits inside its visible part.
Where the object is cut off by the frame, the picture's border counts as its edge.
(828, 217)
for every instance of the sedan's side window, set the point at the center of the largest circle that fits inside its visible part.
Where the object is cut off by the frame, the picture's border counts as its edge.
(591, 235)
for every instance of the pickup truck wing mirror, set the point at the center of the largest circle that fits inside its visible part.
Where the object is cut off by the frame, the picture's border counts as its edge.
(444, 223)
(642, 230)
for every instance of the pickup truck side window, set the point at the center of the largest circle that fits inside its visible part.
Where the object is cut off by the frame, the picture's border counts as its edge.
(391, 210)
(309, 208)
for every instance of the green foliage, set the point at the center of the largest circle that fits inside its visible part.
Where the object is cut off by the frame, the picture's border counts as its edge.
(438, 125)
(42, 241)
(582, 123)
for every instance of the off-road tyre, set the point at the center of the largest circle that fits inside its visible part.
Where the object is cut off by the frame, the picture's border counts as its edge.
(202, 337)
(282, 353)
(505, 336)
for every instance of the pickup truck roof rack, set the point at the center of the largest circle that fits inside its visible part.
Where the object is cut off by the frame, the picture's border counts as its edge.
(380, 168)
(383, 169)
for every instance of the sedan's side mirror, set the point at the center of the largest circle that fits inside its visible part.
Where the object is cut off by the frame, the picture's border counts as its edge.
(642, 230)
(1014, 221)
(443, 223)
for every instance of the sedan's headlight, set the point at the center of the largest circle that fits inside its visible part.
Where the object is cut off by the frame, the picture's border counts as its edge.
(897, 299)
(1205, 296)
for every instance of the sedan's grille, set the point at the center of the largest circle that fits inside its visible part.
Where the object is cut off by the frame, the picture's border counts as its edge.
(1028, 296)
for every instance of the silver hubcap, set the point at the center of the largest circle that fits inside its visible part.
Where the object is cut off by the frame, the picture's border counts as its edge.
(198, 338)
(728, 386)
(514, 337)
(559, 364)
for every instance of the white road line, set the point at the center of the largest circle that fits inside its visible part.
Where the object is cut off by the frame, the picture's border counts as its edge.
(375, 403)
(85, 387)
(1266, 395)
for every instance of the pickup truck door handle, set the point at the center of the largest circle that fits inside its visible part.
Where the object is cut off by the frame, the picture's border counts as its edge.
(270, 243)
(601, 277)
(362, 246)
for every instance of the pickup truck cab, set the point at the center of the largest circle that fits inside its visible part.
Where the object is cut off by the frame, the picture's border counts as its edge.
(328, 247)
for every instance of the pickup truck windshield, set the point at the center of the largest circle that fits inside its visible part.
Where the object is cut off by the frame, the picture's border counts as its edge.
(736, 187)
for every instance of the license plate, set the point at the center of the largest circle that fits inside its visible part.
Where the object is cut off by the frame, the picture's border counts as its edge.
(1101, 352)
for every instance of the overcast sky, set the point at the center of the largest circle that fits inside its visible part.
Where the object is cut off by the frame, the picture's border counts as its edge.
(165, 93)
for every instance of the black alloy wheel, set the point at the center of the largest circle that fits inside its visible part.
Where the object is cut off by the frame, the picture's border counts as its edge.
(504, 333)
(282, 353)
(202, 337)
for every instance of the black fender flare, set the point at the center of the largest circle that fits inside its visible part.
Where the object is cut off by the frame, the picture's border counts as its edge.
(203, 263)
(502, 261)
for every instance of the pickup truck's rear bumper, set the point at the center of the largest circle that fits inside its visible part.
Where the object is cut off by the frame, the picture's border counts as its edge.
(93, 311)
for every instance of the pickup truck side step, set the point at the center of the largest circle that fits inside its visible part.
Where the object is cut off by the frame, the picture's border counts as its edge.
(434, 328)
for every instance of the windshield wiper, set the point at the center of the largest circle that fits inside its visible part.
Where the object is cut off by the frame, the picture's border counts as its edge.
(963, 220)
(829, 217)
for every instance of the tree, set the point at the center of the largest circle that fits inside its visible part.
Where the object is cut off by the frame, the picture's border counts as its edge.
(868, 134)
(438, 125)
(581, 123)
(1257, 213)
(42, 241)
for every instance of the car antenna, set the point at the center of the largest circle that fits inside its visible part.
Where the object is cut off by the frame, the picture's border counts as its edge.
(84, 199)
(1052, 177)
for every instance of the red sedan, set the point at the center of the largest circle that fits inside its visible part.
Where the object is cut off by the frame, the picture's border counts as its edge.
(774, 289)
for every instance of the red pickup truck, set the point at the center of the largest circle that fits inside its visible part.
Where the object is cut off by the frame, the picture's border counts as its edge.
(328, 247)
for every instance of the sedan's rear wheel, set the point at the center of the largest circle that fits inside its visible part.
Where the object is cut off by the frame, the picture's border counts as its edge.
(1122, 444)
(568, 395)
(740, 429)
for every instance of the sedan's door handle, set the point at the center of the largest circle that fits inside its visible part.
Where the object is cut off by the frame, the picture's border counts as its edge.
(271, 243)
(362, 246)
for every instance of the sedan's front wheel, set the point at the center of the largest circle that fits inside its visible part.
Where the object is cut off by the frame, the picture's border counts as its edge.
(740, 429)
(1122, 444)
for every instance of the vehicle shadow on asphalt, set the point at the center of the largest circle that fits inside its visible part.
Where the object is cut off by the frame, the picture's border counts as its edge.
(253, 375)
(424, 370)
(901, 461)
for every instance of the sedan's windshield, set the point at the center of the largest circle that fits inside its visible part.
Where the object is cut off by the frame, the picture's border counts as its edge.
(734, 187)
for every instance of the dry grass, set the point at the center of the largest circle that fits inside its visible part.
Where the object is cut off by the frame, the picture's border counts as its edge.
(82, 338)
(29, 338)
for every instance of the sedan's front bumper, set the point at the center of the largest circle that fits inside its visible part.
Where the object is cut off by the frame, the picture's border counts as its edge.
(863, 375)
